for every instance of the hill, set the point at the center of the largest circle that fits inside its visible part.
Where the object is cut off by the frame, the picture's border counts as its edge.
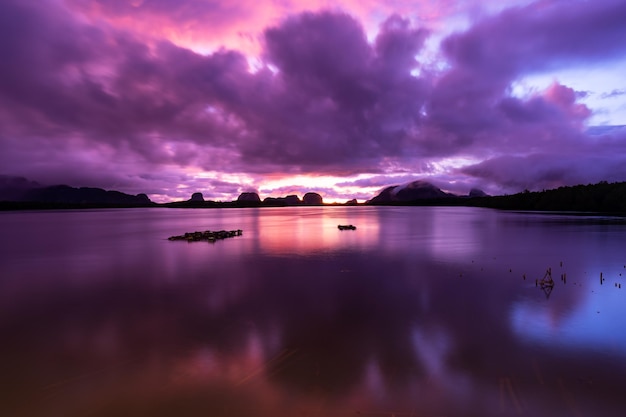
(406, 193)
(19, 193)
(602, 197)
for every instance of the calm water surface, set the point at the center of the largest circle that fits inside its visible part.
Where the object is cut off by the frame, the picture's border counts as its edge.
(419, 312)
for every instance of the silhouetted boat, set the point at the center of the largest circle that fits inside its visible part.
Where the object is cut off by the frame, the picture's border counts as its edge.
(346, 227)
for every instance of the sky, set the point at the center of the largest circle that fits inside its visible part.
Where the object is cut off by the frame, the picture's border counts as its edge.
(172, 97)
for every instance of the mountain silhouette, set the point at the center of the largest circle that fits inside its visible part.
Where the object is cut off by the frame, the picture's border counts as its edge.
(412, 191)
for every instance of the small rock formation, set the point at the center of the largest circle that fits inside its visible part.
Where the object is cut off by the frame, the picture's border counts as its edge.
(197, 197)
(292, 200)
(312, 199)
(352, 202)
(271, 201)
(249, 197)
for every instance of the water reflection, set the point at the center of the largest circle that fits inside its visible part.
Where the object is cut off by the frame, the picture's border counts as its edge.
(590, 324)
(420, 311)
(306, 231)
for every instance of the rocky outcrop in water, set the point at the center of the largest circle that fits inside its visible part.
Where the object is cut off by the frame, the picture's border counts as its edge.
(312, 199)
(249, 197)
(197, 197)
(290, 200)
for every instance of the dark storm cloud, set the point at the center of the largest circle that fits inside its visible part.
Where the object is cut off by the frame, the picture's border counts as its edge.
(337, 100)
(166, 104)
(77, 96)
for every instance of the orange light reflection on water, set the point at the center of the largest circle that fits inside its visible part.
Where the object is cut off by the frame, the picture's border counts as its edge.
(313, 230)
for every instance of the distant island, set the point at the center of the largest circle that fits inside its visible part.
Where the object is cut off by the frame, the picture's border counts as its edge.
(604, 197)
(250, 199)
(18, 193)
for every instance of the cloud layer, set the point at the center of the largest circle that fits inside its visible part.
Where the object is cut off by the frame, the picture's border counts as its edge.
(91, 102)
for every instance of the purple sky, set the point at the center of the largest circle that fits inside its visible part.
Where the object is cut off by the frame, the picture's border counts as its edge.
(170, 97)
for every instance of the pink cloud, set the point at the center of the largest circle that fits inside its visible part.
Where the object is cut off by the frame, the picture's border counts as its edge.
(210, 24)
(565, 98)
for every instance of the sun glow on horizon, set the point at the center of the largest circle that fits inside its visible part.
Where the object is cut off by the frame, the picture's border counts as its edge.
(327, 186)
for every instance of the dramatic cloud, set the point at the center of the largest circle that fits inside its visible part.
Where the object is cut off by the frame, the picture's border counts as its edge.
(110, 94)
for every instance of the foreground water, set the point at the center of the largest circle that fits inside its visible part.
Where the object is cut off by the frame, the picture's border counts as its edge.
(419, 312)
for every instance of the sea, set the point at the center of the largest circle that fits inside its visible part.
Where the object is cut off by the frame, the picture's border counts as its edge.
(418, 312)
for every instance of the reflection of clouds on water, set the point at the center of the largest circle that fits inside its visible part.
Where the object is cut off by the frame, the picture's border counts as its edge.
(367, 321)
(437, 233)
(432, 348)
(454, 233)
(594, 324)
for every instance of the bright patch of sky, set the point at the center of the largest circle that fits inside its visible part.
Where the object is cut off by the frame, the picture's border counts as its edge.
(601, 87)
